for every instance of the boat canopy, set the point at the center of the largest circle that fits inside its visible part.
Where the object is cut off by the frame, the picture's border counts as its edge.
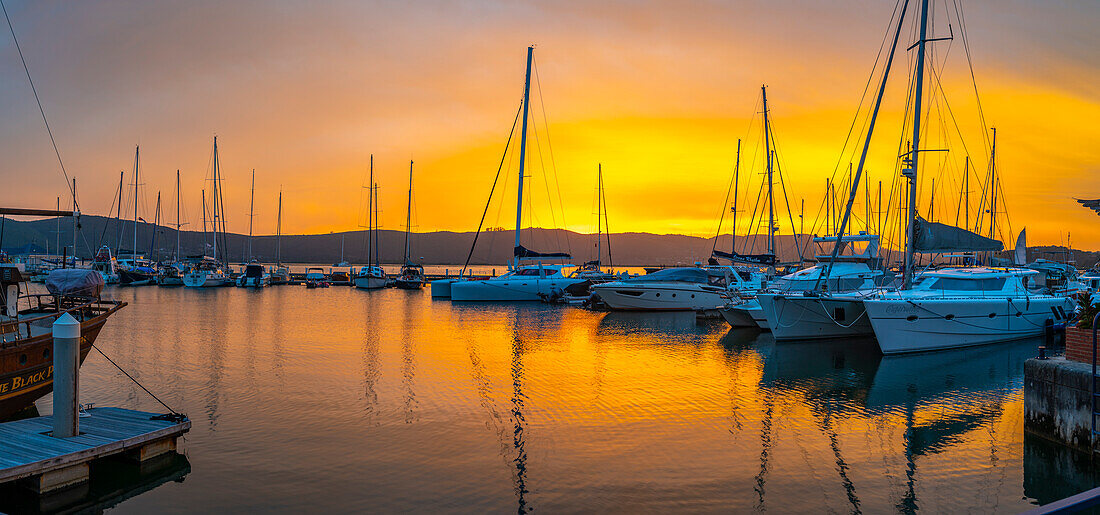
(933, 237)
(74, 281)
(524, 253)
(754, 259)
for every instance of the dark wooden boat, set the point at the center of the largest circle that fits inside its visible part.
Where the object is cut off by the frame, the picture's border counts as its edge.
(26, 339)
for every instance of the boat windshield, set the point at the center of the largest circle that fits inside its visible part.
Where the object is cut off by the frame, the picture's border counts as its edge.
(968, 284)
(683, 275)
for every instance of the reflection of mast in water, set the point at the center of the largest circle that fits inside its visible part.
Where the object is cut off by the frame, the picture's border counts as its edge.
(826, 422)
(518, 438)
(372, 373)
(765, 447)
(408, 363)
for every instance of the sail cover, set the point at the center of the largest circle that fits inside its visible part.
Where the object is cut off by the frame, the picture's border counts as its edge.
(74, 281)
(524, 253)
(754, 259)
(933, 237)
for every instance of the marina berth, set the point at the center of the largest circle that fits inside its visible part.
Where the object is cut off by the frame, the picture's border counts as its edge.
(959, 307)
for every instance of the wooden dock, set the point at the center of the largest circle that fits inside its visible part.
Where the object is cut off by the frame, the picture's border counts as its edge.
(28, 451)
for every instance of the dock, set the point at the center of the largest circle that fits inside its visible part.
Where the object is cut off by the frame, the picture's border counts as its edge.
(43, 463)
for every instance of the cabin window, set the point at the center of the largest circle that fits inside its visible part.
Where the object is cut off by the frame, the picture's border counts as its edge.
(528, 272)
(967, 284)
(22, 359)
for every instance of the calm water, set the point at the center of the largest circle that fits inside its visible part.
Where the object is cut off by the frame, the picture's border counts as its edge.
(345, 400)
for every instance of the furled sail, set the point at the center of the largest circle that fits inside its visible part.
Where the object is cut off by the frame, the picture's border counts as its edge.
(753, 259)
(524, 253)
(1020, 252)
(933, 237)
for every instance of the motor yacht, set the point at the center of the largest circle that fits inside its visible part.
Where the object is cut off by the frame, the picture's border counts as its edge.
(680, 289)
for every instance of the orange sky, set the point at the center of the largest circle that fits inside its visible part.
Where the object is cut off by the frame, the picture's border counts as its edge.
(659, 92)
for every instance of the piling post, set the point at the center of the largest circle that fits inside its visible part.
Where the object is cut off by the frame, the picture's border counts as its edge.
(66, 380)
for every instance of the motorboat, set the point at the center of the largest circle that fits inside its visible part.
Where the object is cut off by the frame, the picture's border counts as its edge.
(680, 289)
(315, 278)
(254, 276)
(339, 278)
(280, 274)
(959, 307)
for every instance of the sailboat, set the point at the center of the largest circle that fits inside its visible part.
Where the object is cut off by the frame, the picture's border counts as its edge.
(171, 274)
(371, 276)
(522, 282)
(411, 276)
(209, 272)
(254, 276)
(134, 269)
(280, 273)
(960, 306)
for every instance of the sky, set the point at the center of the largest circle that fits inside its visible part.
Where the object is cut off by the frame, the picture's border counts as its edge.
(657, 93)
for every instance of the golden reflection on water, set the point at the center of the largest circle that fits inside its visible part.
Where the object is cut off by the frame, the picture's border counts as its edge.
(351, 400)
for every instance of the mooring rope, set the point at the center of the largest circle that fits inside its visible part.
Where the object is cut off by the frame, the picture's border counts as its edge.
(175, 415)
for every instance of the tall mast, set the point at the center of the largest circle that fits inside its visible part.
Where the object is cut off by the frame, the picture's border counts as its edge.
(279, 231)
(606, 226)
(156, 223)
(523, 146)
(58, 235)
(733, 208)
(370, 216)
(251, 208)
(993, 187)
(408, 213)
(118, 213)
(177, 215)
(914, 154)
(204, 220)
(377, 225)
(867, 144)
(76, 220)
(768, 152)
(133, 250)
(599, 213)
(966, 191)
(215, 201)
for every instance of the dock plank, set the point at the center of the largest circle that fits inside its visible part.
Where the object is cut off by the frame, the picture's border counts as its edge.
(26, 449)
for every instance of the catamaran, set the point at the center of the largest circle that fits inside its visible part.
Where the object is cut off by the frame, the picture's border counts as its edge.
(522, 282)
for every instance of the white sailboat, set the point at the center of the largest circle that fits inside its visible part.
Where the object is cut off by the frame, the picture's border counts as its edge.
(522, 282)
(211, 272)
(371, 276)
(280, 273)
(953, 307)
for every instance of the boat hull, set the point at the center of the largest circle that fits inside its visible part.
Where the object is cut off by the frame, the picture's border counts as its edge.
(204, 280)
(747, 314)
(670, 297)
(253, 282)
(441, 288)
(170, 281)
(21, 385)
(512, 289)
(370, 282)
(408, 284)
(799, 317)
(134, 278)
(919, 325)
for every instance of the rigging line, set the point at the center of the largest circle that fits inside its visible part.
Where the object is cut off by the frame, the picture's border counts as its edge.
(491, 190)
(752, 219)
(973, 79)
(550, 148)
(127, 374)
(41, 110)
(722, 214)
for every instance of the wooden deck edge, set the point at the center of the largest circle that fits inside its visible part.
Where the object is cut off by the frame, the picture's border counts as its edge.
(91, 453)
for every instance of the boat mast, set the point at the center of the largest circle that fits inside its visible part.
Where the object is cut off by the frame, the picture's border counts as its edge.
(523, 148)
(279, 231)
(118, 213)
(370, 216)
(606, 226)
(733, 208)
(377, 224)
(251, 210)
(408, 213)
(156, 224)
(58, 232)
(912, 161)
(966, 191)
(599, 213)
(215, 213)
(866, 145)
(133, 250)
(204, 220)
(771, 201)
(177, 215)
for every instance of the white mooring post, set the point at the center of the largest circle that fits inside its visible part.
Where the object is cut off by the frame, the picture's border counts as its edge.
(66, 379)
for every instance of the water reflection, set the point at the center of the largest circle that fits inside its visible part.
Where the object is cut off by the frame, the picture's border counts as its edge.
(349, 400)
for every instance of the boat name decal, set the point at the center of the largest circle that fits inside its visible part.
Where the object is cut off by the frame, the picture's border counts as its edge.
(24, 381)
